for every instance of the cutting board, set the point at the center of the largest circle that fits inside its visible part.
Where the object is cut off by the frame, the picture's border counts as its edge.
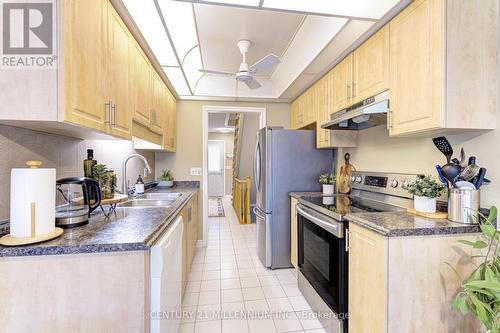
(344, 175)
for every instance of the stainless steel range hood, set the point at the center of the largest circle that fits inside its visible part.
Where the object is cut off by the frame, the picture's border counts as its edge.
(365, 114)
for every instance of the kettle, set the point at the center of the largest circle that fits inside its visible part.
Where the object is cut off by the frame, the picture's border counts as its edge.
(76, 198)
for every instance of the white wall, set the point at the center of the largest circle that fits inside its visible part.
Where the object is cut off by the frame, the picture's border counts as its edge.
(228, 139)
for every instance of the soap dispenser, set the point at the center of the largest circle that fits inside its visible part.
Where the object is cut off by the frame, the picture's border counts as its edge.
(139, 185)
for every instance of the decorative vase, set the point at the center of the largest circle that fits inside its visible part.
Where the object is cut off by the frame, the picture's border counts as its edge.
(424, 204)
(328, 189)
(108, 185)
(165, 183)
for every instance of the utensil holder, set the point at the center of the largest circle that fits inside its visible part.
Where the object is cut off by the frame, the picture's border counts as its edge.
(463, 205)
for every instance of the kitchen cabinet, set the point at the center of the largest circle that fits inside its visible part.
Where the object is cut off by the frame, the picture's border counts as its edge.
(303, 111)
(170, 123)
(370, 66)
(103, 83)
(342, 84)
(294, 233)
(118, 57)
(190, 236)
(443, 67)
(387, 275)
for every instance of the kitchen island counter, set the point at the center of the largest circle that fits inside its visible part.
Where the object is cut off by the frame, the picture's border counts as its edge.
(127, 229)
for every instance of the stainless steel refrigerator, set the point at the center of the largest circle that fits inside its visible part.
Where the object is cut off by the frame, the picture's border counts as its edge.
(285, 161)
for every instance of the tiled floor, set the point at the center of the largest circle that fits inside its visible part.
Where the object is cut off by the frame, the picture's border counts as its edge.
(229, 290)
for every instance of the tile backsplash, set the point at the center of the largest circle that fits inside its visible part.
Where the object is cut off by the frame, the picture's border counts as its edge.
(66, 154)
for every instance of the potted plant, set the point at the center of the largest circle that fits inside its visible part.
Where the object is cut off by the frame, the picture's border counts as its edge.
(425, 190)
(106, 179)
(480, 291)
(328, 182)
(166, 179)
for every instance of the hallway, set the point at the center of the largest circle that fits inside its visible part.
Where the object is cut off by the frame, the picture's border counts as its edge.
(229, 290)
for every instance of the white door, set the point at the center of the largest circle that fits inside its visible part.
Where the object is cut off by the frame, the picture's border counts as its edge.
(216, 152)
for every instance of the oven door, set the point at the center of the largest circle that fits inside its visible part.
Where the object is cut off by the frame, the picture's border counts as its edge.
(323, 257)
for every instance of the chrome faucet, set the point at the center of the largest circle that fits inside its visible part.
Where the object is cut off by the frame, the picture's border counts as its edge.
(147, 169)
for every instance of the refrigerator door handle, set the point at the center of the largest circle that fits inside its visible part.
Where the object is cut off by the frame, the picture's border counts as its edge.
(256, 176)
(257, 213)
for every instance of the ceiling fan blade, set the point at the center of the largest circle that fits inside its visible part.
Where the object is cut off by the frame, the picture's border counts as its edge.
(208, 71)
(265, 63)
(252, 83)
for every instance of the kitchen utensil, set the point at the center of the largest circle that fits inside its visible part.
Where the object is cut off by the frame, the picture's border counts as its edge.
(463, 205)
(464, 184)
(456, 161)
(441, 177)
(32, 200)
(480, 178)
(344, 174)
(463, 160)
(444, 146)
(470, 171)
(76, 198)
(450, 172)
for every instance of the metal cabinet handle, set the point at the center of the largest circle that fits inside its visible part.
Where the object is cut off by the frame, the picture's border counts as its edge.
(348, 87)
(353, 89)
(347, 247)
(108, 106)
(114, 108)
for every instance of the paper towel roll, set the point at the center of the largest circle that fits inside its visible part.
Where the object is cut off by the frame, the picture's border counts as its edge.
(27, 186)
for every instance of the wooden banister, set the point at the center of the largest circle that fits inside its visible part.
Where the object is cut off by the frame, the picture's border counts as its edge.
(241, 199)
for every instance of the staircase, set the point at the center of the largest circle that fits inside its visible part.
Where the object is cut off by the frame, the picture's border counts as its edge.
(238, 130)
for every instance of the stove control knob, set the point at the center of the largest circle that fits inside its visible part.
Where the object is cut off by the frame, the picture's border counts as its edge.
(394, 183)
(353, 179)
(358, 179)
(405, 184)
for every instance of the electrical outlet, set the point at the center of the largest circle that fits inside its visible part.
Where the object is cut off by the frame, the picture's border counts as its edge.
(195, 171)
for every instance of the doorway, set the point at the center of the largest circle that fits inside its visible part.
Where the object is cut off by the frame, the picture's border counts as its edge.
(211, 111)
(216, 151)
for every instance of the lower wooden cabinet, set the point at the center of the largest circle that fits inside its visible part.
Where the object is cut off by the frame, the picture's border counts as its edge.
(190, 219)
(294, 233)
(404, 284)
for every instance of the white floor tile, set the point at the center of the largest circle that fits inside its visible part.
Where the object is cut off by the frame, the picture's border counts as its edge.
(213, 326)
(269, 280)
(188, 314)
(309, 320)
(230, 284)
(246, 272)
(209, 297)
(190, 299)
(288, 323)
(299, 303)
(273, 292)
(232, 295)
(250, 281)
(193, 286)
(291, 290)
(234, 326)
(195, 276)
(210, 285)
(261, 326)
(254, 293)
(287, 279)
(256, 306)
(319, 330)
(229, 274)
(279, 304)
(186, 328)
(211, 275)
(232, 307)
(208, 312)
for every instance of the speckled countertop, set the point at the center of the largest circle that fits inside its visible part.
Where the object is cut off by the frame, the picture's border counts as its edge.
(129, 229)
(401, 224)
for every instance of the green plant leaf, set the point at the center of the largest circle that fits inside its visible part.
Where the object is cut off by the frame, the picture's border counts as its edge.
(480, 244)
(493, 214)
(483, 284)
(460, 304)
(480, 310)
(488, 230)
(466, 242)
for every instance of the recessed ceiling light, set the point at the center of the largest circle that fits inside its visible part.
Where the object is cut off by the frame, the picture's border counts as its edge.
(148, 21)
(253, 3)
(225, 130)
(354, 8)
(177, 80)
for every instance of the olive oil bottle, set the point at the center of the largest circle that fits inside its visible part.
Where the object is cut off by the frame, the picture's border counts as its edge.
(89, 163)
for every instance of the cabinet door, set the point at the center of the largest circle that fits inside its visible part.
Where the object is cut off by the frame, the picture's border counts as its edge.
(169, 122)
(371, 66)
(157, 103)
(342, 81)
(173, 123)
(367, 281)
(118, 50)
(84, 31)
(417, 51)
(320, 96)
(293, 233)
(294, 114)
(141, 78)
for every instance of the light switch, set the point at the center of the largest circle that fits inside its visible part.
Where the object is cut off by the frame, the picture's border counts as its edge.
(195, 171)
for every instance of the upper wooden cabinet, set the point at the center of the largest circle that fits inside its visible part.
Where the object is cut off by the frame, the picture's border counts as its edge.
(103, 83)
(443, 66)
(370, 66)
(170, 129)
(85, 24)
(342, 84)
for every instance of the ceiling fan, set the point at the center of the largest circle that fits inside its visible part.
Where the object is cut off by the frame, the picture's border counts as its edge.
(245, 74)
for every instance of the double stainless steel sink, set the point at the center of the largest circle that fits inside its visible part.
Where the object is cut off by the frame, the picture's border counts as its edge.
(157, 199)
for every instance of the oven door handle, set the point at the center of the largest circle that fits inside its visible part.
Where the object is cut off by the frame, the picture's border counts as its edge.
(334, 229)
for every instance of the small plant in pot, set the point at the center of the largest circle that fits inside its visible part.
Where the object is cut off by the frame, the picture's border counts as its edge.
(425, 190)
(328, 182)
(166, 179)
(106, 179)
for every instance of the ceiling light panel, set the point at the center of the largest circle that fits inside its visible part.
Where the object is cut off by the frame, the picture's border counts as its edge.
(148, 21)
(177, 80)
(181, 25)
(253, 3)
(192, 65)
(356, 8)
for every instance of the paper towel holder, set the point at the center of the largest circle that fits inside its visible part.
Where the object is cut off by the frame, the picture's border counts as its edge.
(8, 240)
